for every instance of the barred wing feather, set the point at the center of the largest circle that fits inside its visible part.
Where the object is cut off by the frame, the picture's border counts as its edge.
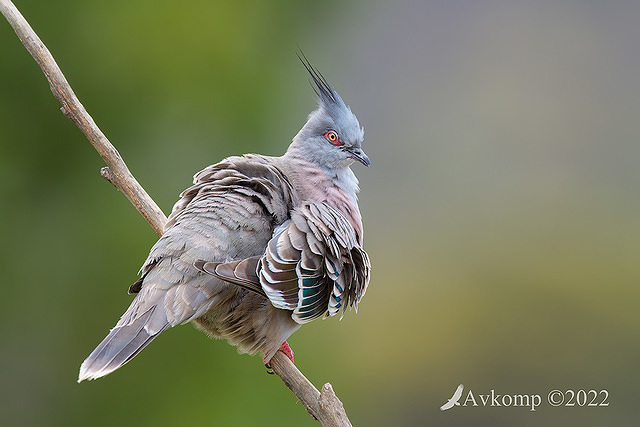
(314, 265)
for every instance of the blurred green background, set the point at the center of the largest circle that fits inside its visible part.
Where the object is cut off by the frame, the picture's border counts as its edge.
(502, 209)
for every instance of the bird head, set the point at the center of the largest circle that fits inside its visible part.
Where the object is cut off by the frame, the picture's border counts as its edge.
(332, 136)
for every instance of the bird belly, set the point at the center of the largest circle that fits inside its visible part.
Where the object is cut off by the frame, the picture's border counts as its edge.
(248, 321)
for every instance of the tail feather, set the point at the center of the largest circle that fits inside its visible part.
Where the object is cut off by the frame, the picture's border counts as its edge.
(122, 344)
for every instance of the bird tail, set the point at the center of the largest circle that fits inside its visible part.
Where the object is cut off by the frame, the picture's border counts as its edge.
(123, 343)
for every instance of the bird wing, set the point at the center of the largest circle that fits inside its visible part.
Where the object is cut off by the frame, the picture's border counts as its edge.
(313, 265)
(252, 176)
(242, 273)
(229, 213)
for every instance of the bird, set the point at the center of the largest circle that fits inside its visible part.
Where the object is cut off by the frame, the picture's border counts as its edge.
(455, 399)
(257, 246)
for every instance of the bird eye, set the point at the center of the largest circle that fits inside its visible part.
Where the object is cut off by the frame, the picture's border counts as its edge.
(332, 137)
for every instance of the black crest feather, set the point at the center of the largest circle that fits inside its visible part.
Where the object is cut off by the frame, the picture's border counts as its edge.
(322, 88)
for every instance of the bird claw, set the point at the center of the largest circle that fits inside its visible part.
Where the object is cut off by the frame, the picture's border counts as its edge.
(283, 348)
(287, 351)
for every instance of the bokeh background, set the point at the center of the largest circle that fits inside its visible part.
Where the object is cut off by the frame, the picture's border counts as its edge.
(502, 209)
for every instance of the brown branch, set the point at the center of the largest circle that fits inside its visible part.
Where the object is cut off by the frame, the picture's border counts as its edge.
(74, 110)
(324, 406)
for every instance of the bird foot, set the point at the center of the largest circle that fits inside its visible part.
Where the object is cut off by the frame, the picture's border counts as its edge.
(287, 351)
(283, 348)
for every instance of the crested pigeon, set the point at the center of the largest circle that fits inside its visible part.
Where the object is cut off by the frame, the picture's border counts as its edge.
(257, 246)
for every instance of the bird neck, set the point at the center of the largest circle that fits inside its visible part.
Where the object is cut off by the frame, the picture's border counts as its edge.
(337, 187)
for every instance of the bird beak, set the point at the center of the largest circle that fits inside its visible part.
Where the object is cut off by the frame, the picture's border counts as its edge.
(359, 155)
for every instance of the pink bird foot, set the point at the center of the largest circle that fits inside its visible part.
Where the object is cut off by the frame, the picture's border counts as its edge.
(283, 348)
(287, 351)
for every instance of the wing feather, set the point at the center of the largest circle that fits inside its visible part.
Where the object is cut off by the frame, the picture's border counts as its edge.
(332, 270)
(313, 265)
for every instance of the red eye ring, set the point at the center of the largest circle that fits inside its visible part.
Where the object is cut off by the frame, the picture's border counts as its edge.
(332, 137)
